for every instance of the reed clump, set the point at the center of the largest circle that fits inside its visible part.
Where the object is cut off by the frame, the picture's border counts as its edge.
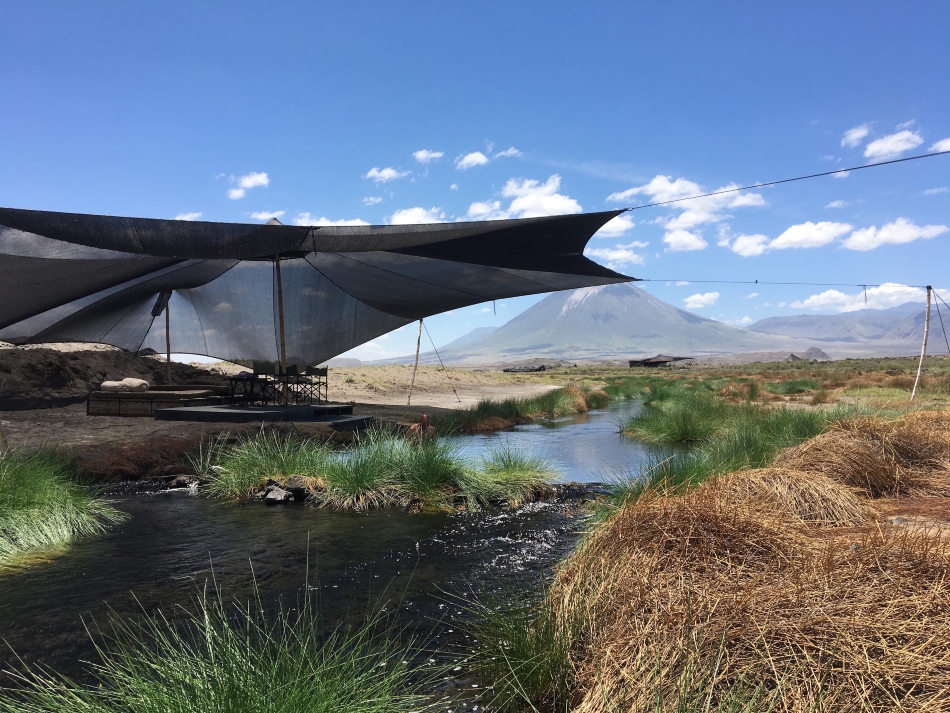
(380, 469)
(235, 658)
(43, 507)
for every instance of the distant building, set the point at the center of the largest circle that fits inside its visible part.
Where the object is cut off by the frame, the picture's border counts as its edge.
(659, 360)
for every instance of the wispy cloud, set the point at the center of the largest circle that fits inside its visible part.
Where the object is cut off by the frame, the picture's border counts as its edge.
(616, 257)
(905, 125)
(266, 215)
(309, 219)
(853, 137)
(698, 301)
(751, 295)
(415, 216)
(470, 160)
(896, 233)
(837, 204)
(841, 174)
(942, 145)
(454, 187)
(928, 192)
(892, 146)
(383, 175)
(512, 151)
(372, 200)
(426, 156)
(188, 216)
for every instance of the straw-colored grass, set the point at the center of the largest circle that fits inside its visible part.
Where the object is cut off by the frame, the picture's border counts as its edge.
(810, 498)
(671, 583)
(846, 459)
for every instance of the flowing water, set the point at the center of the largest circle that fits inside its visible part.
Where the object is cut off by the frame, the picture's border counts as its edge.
(416, 565)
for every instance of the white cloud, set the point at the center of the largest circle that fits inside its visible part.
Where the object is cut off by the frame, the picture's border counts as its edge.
(896, 233)
(889, 294)
(942, 145)
(681, 283)
(236, 194)
(508, 152)
(188, 216)
(530, 199)
(740, 322)
(780, 304)
(425, 156)
(682, 241)
(692, 213)
(308, 219)
(615, 227)
(382, 175)
(265, 215)
(372, 200)
(928, 192)
(454, 187)
(804, 235)
(747, 245)
(415, 216)
(751, 295)
(892, 145)
(837, 204)
(853, 137)
(841, 174)
(469, 160)
(905, 125)
(616, 257)
(698, 301)
(809, 235)
(253, 180)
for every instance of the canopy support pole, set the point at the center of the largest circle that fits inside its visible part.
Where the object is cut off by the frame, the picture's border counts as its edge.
(416, 366)
(923, 349)
(168, 342)
(280, 317)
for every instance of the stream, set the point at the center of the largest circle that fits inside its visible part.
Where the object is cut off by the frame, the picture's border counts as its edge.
(417, 566)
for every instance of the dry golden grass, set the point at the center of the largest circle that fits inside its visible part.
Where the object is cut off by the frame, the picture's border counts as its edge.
(810, 498)
(743, 590)
(674, 582)
(846, 459)
(580, 400)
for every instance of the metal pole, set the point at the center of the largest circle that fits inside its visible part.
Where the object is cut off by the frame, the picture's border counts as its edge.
(280, 316)
(168, 342)
(411, 383)
(923, 349)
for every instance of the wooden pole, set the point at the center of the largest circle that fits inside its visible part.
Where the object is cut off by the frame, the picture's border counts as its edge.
(4, 446)
(280, 317)
(923, 349)
(168, 341)
(416, 366)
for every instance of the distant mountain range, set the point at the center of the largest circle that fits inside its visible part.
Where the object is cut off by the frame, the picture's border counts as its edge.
(618, 322)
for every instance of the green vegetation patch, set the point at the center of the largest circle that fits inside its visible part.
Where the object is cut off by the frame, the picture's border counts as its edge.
(380, 469)
(236, 659)
(43, 507)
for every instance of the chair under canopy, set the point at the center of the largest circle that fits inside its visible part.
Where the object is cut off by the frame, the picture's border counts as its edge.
(68, 277)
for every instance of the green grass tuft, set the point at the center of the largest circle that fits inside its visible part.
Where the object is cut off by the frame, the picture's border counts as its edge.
(235, 659)
(43, 507)
(795, 386)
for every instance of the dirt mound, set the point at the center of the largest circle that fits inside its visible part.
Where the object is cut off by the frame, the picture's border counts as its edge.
(43, 378)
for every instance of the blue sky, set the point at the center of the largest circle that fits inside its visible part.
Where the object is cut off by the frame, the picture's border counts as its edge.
(320, 112)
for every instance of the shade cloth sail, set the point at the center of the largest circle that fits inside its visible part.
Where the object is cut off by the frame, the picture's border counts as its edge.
(91, 278)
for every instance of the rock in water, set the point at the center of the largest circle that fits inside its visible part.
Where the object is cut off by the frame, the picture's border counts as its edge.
(274, 495)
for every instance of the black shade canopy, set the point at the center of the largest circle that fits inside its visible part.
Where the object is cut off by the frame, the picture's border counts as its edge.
(91, 278)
